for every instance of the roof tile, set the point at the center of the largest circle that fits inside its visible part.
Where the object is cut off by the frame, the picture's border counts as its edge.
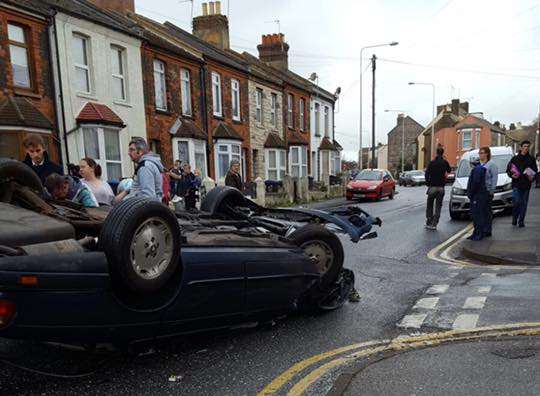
(100, 114)
(17, 111)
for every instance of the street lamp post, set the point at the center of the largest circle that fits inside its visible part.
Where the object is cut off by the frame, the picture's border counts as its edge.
(402, 135)
(432, 148)
(393, 43)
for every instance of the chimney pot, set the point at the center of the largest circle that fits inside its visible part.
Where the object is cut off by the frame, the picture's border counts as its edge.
(204, 9)
(212, 8)
(218, 7)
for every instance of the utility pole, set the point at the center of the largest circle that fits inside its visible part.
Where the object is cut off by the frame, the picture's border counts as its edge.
(373, 68)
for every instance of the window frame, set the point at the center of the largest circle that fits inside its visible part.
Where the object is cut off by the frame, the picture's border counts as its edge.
(273, 109)
(27, 48)
(259, 105)
(192, 153)
(102, 160)
(217, 96)
(235, 97)
(229, 152)
(86, 67)
(290, 110)
(280, 166)
(163, 81)
(301, 164)
(185, 92)
(470, 139)
(326, 115)
(121, 51)
(302, 113)
(317, 111)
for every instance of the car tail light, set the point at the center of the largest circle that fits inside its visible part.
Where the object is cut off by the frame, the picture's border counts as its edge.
(7, 312)
(28, 280)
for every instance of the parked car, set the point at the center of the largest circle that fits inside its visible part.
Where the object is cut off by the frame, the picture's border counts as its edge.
(372, 184)
(140, 271)
(415, 178)
(451, 177)
(459, 202)
(402, 178)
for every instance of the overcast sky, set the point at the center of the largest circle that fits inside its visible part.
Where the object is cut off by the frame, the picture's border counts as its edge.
(486, 52)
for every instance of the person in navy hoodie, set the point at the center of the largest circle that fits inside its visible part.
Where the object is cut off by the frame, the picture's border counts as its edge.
(37, 158)
(479, 197)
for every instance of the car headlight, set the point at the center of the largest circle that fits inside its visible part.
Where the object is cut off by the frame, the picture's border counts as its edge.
(459, 191)
(372, 188)
(507, 187)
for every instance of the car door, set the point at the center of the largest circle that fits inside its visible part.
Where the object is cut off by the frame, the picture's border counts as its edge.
(386, 183)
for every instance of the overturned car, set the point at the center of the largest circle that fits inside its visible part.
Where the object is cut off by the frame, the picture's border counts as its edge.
(140, 271)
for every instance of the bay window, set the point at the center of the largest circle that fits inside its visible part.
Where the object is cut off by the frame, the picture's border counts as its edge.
(325, 162)
(226, 151)
(160, 85)
(118, 77)
(336, 163)
(298, 161)
(258, 105)
(216, 94)
(185, 88)
(275, 164)
(192, 151)
(19, 56)
(235, 99)
(81, 63)
(103, 145)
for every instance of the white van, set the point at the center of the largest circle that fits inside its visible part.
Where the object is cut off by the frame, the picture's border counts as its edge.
(459, 202)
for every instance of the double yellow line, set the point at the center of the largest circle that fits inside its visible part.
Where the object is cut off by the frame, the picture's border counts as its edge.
(370, 348)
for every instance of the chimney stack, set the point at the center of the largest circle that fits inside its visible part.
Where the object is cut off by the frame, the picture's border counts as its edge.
(400, 118)
(121, 6)
(211, 26)
(455, 106)
(274, 51)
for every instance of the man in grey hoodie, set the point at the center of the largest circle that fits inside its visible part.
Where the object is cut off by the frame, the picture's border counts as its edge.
(148, 181)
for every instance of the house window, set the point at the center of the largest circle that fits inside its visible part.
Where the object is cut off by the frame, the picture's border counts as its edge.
(326, 121)
(258, 105)
(336, 163)
(302, 104)
(290, 119)
(81, 63)
(275, 164)
(325, 162)
(103, 145)
(317, 119)
(18, 51)
(185, 87)
(216, 94)
(466, 135)
(192, 151)
(226, 152)
(273, 110)
(235, 99)
(298, 161)
(160, 85)
(477, 135)
(118, 78)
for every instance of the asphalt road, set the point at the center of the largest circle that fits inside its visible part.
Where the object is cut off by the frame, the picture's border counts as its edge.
(392, 274)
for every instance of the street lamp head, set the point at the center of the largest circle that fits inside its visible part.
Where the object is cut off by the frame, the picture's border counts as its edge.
(411, 83)
(394, 43)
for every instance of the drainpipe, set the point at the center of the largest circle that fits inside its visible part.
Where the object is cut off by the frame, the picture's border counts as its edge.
(60, 90)
(204, 115)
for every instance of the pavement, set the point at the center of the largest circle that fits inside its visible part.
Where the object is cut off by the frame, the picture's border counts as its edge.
(510, 245)
(404, 293)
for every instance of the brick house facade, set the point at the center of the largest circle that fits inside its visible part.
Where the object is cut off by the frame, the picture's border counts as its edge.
(26, 83)
(411, 129)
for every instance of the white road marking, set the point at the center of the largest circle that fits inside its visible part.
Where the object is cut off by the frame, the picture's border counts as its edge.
(453, 274)
(412, 321)
(437, 289)
(465, 321)
(484, 289)
(476, 302)
(427, 303)
(488, 275)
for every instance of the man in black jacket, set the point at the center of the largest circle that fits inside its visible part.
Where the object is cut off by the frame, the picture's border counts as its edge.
(436, 180)
(521, 168)
(37, 158)
(233, 178)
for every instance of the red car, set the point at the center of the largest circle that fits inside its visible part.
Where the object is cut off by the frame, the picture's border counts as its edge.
(373, 184)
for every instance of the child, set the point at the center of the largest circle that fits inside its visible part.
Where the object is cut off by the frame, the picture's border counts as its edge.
(70, 188)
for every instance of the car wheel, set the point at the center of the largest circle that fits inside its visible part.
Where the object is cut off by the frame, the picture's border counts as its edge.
(12, 170)
(141, 239)
(322, 246)
(219, 199)
(455, 215)
(392, 192)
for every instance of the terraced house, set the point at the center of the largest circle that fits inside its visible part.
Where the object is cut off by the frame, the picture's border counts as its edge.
(26, 83)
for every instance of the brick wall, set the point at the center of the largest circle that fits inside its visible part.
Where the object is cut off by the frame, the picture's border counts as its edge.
(298, 94)
(41, 94)
(242, 126)
(412, 130)
(159, 122)
(259, 131)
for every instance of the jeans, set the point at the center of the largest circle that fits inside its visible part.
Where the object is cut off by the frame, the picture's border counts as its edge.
(489, 215)
(479, 214)
(520, 199)
(434, 194)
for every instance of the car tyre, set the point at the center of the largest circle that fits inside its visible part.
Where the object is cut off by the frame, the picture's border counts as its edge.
(12, 170)
(218, 199)
(324, 247)
(141, 239)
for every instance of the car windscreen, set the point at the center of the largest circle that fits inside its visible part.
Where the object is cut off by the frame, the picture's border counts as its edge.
(369, 175)
(464, 168)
